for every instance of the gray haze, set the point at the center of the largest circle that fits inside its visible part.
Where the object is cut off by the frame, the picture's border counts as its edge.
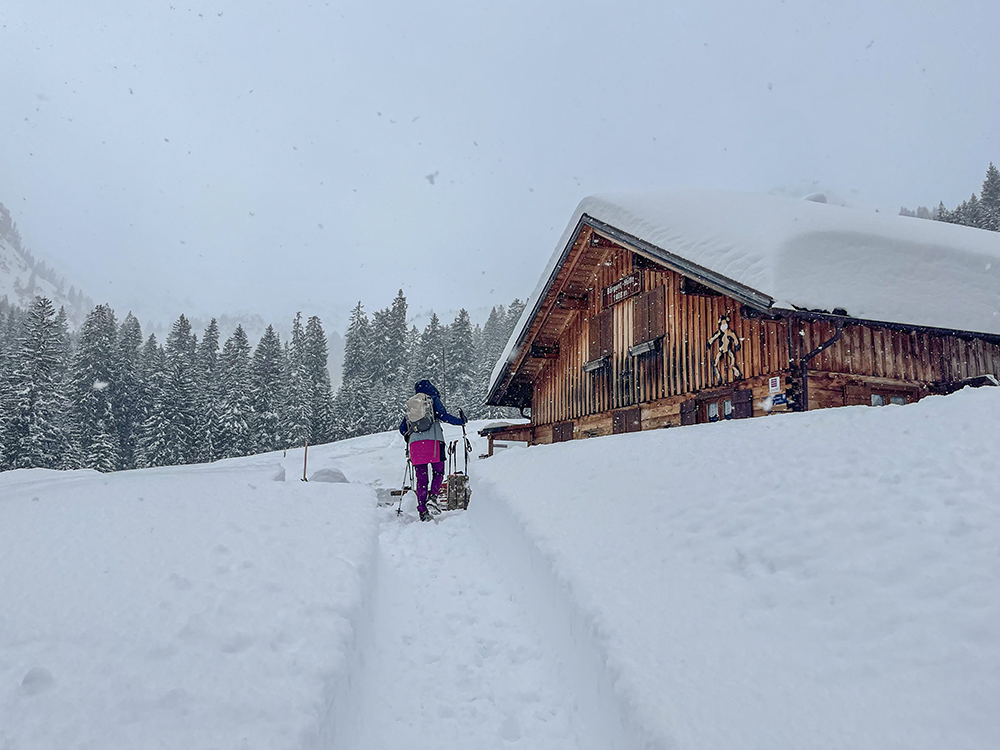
(209, 157)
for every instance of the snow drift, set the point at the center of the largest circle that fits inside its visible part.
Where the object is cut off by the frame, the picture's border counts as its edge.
(188, 607)
(824, 580)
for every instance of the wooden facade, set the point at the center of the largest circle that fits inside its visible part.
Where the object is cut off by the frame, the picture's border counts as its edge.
(622, 341)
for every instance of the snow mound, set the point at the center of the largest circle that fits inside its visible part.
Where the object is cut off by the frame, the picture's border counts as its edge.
(331, 475)
(821, 580)
(189, 607)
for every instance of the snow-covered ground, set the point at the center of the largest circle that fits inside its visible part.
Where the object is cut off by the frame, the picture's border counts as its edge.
(195, 607)
(826, 580)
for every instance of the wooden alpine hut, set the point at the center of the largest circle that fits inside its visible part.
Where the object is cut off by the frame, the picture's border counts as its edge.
(676, 308)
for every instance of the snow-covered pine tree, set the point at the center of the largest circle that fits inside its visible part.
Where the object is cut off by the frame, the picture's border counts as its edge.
(317, 355)
(430, 356)
(266, 392)
(72, 458)
(209, 394)
(491, 346)
(403, 387)
(296, 413)
(35, 431)
(126, 400)
(377, 357)
(460, 362)
(380, 371)
(354, 395)
(389, 362)
(153, 448)
(514, 310)
(179, 401)
(990, 199)
(92, 390)
(235, 437)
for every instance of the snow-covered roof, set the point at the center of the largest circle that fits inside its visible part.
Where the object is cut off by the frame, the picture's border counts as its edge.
(807, 255)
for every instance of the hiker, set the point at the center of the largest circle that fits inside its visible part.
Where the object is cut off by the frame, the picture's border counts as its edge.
(422, 429)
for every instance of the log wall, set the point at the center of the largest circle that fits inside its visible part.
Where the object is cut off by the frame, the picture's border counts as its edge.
(681, 365)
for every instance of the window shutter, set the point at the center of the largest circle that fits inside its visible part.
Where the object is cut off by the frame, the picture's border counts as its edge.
(657, 313)
(607, 333)
(689, 411)
(640, 319)
(742, 404)
(595, 338)
(648, 318)
(562, 432)
(626, 420)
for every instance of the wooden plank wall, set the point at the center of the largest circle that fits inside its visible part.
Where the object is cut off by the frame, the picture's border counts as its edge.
(684, 365)
(898, 355)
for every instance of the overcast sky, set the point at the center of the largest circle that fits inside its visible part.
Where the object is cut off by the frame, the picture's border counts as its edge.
(243, 155)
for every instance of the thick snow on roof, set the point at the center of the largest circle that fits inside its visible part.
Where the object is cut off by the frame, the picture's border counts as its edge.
(811, 255)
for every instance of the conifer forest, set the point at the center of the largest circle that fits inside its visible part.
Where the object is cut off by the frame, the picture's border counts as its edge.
(107, 398)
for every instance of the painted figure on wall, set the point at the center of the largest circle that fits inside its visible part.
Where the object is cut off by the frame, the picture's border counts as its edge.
(729, 344)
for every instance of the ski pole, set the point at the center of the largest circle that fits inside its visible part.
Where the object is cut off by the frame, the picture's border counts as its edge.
(468, 446)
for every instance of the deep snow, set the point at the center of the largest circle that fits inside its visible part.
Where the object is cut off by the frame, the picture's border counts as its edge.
(193, 607)
(825, 580)
(821, 580)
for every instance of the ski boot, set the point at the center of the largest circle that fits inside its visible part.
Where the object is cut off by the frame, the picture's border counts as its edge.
(425, 514)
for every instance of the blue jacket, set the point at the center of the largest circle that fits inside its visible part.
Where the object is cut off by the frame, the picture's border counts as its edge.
(425, 386)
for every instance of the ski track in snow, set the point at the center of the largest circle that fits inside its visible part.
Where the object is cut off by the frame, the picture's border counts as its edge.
(454, 661)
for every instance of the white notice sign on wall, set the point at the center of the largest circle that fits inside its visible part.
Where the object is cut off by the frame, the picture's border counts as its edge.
(774, 385)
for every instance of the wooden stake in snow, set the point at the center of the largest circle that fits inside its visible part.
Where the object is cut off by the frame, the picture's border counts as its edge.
(305, 459)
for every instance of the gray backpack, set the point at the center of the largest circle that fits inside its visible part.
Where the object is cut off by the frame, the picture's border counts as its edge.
(419, 413)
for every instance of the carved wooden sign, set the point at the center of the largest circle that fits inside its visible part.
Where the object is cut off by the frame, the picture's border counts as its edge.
(622, 289)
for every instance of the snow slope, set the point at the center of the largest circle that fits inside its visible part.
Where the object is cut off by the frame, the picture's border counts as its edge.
(824, 580)
(191, 607)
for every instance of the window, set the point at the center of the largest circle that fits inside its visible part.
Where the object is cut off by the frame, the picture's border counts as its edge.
(723, 407)
(881, 398)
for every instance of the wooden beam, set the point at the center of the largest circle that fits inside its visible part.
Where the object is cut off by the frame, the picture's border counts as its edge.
(544, 351)
(567, 302)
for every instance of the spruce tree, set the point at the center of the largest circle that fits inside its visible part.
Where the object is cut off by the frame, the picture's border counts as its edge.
(127, 398)
(93, 388)
(35, 431)
(353, 399)
(403, 388)
(266, 392)
(209, 394)
(296, 413)
(491, 345)
(154, 435)
(235, 437)
(317, 358)
(430, 357)
(460, 360)
(990, 199)
(178, 403)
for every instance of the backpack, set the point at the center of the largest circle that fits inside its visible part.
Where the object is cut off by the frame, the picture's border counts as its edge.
(419, 413)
